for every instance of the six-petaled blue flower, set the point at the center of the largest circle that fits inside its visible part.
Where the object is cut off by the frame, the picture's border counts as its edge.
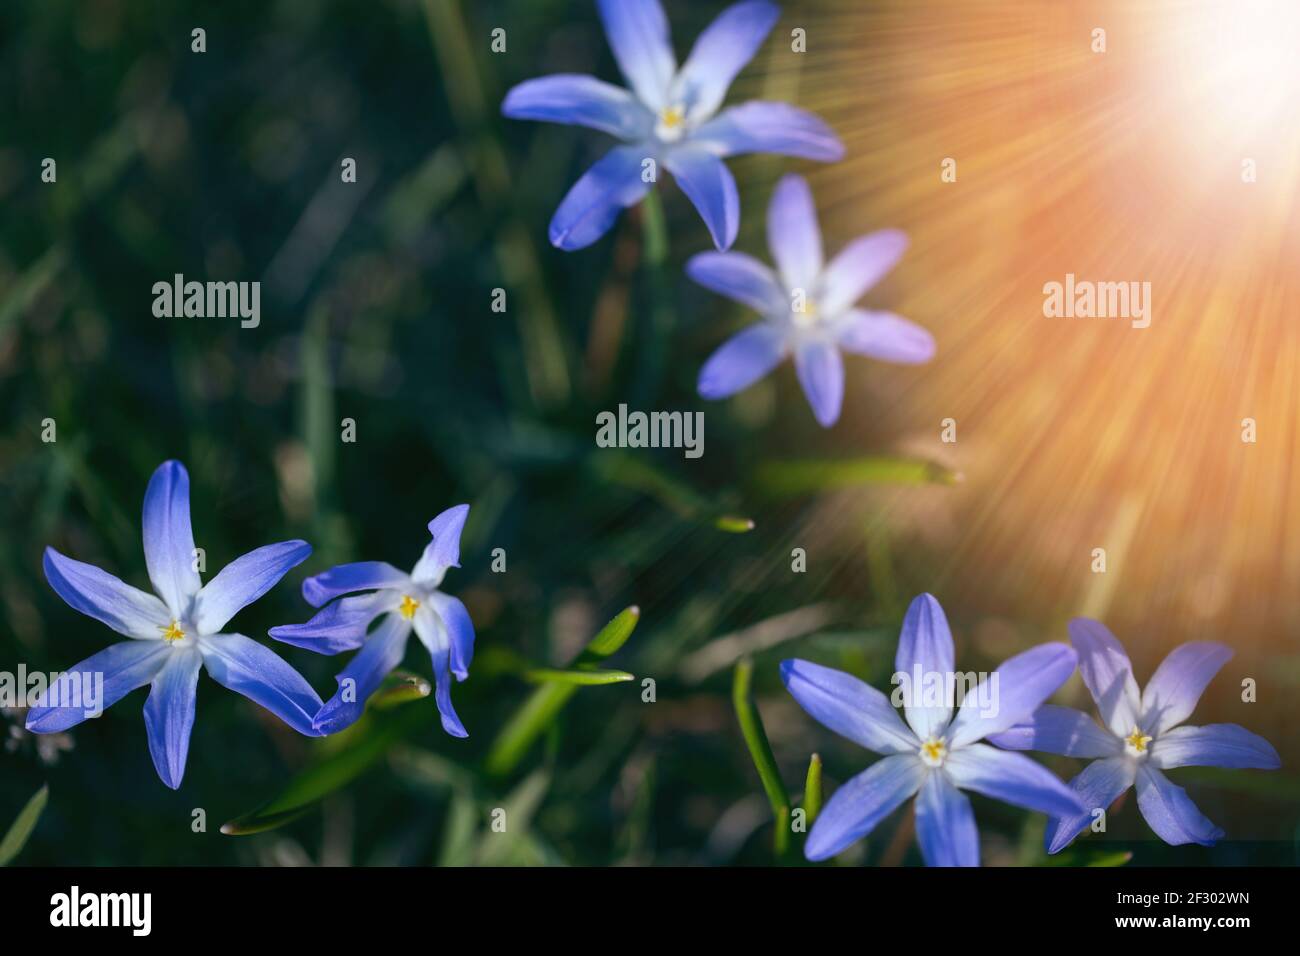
(177, 632)
(670, 117)
(1141, 737)
(401, 602)
(807, 306)
(934, 755)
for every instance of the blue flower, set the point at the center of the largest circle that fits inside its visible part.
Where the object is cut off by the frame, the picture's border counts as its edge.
(177, 632)
(935, 755)
(670, 116)
(1141, 737)
(807, 307)
(400, 602)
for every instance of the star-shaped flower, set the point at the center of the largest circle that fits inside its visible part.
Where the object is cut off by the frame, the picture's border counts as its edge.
(1142, 736)
(670, 118)
(935, 755)
(806, 305)
(176, 633)
(401, 603)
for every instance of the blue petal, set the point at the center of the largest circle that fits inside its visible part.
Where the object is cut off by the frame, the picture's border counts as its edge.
(124, 667)
(763, 127)
(638, 34)
(859, 266)
(846, 705)
(1214, 745)
(1012, 778)
(1018, 688)
(739, 277)
(243, 581)
(1106, 671)
(460, 631)
(885, 336)
(169, 714)
(98, 594)
(1171, 695)
(261, 675)
(1059, 730)
(855, 808)
(945, 824)
(581, 100)
(925, 648)
(339, 626)
(741, 361)
(382, 652)
(443, 551)
(594, 202)
(1097, 787)
(722, 51)
(346, 578)
(1170, 812)
(434, 633)
(169, 539)
(442, 694)
(821, 373)
(711, 188)
(793, 235)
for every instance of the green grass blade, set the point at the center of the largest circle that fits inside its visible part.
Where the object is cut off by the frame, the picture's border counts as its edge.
(591, 678)
(547, 701)
(791, 478)
(23, 826)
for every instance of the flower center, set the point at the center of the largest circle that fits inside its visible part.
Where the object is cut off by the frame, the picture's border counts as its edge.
(408, 607)
(672, 124)
(172, 632)
(805, 317)
(1136, 743)
(933, 751)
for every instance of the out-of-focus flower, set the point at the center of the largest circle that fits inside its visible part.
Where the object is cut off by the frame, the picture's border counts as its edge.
(669, 118)
(1141, 737)
(807, 306)
(401, 602)
(934, 755)
(176, 633)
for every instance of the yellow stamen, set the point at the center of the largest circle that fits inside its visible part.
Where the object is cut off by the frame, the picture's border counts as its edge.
(1138, 740)
(933, 751)
(172, 632)
(408, 606)
(672, 117)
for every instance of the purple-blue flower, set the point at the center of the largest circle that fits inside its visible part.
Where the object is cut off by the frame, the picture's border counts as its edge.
(807, 306)
(400, 602)
(669, 116)
(176, 632)
(1141, 736)
(934, 755)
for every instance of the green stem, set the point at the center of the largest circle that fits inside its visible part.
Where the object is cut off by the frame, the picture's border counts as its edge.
(760, 751)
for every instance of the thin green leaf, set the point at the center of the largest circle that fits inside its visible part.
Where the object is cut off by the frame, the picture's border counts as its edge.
(365, 742)
(812, 790)
(459, 831)
(734, 524)
(23, 826)
(760, 751)
(497, 847)
(790, 478)
(400, 687)
(545, 703)
(589, 678)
